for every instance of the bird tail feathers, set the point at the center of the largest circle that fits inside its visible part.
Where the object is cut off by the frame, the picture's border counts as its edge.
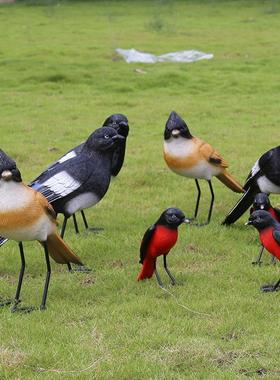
(148, 269)
(241, 206)
(60, 252)
(230, 182)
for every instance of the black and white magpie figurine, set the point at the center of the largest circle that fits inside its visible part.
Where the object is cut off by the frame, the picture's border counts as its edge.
(120, 123)
(81, 181)
(263, 178)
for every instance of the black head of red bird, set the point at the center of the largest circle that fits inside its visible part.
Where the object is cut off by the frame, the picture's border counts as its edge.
(172, 217)
(261, 202)
(8, 168)
(119, 122)
(261, 219)
(175, 127)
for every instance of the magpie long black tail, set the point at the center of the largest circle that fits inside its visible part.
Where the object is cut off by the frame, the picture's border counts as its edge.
(241, 206)
(2, 240)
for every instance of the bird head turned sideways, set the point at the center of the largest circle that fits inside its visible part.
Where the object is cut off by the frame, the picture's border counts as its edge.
(261, 219)
(119, 122)
(172, 217)
(176, 127)
(8, 168)
(261, 202)
(103, 139)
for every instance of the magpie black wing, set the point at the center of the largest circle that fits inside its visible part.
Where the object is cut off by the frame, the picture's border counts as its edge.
(62, 180)
(145, 242)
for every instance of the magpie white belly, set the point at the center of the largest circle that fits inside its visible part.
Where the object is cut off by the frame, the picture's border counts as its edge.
(266, 186)
(81, 202)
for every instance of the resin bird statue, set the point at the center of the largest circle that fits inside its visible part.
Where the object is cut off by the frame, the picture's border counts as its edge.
(25, 214)
(262, 202)
(158, 241)
(264, 177)
(269, 233)
(189, 156)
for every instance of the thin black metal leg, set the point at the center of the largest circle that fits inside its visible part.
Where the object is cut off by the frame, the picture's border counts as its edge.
(212, 201)
(173, 281)
(276, 286)
(84, 219)
(75, 224)
(45, 293)
(158, 277)
(63, 227)
(198, 198)
(21, 273)
(258, 259)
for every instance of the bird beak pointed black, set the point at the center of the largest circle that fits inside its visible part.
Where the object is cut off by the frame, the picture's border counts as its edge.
(118, 137)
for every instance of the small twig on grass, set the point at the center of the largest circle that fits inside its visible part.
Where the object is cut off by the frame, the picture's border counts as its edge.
(185, 307)
(75, 371)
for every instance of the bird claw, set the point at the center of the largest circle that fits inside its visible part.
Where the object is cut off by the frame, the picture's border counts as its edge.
(269, 288)
(24, 309)
(5, 302)
(95, 230)
(81, 269)
(257, 262)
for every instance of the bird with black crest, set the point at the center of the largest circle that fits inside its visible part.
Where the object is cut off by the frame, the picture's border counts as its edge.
(191, 157)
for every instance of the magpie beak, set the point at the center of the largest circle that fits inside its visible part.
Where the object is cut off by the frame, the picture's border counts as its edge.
(7, 175)
(120, 137)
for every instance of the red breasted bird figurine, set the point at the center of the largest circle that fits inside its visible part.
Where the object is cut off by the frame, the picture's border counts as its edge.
(158, 240)
(262, 202)
(25, 214)
(191, 157)
(269, 232)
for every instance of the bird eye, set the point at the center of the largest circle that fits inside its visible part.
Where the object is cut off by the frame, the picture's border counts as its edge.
(173, 217)
(106, 137)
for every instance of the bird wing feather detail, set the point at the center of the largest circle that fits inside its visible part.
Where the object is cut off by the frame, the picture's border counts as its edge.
(58, 186)
(212, 156)
(145, 242)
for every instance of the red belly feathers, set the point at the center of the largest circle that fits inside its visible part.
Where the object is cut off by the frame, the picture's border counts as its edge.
(268, 241)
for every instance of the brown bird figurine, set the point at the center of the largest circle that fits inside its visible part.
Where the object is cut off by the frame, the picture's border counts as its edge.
(190, 156)
(25, 214)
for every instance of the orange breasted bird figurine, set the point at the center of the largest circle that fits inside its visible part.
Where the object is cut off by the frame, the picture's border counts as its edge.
(191, 157)
(25, 214)
(269, 233)
(158, 240)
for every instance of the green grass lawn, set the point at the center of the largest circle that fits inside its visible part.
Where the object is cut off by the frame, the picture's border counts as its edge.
(59, 79)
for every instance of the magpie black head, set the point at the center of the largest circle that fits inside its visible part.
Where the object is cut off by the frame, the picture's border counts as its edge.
(261, 202)
(103, 139)
(119, 122)
(261, 219)
(175, 127)
(172, 217)
(8, 168)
